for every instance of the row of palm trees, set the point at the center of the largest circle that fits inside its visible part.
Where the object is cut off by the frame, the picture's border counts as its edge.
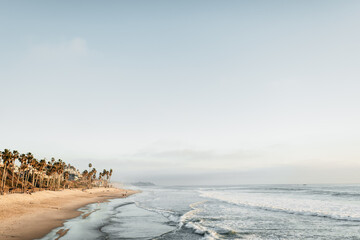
(21, 172)
(103, 177)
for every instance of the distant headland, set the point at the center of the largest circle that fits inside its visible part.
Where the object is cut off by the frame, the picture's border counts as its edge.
(143, 184)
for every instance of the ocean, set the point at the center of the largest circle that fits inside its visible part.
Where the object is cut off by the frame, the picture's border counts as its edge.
(224, 212)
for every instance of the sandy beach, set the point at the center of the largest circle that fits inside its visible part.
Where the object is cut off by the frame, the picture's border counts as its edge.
(25, 216)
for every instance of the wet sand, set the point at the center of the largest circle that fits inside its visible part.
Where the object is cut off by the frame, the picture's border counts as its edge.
(24, 216)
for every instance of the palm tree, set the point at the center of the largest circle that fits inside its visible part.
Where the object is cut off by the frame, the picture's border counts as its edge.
(111, 171)
(103, 174)
(34, 165)
(29, 161)
(100, 178)
(60, 171)
(92, 175)
(6, 156)
(42, 166)
(39, 172)
(90, 166)
(66, 178)
(85, 174)
(50, 170)
(14, 157)
(23, 167)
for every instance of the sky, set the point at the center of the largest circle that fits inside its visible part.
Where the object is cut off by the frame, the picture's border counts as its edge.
(185, 92)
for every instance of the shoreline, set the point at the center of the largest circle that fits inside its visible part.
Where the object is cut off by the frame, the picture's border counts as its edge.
(25, 216)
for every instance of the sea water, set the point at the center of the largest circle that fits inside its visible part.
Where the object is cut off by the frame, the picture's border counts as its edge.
(224, 212)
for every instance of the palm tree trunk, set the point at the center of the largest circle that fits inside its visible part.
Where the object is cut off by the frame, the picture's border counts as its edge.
(36, 180)
(6, 172)
(28, 177)
(23, 182)
(12, 179)
(2, 179)
(33, 178)
(17, 180)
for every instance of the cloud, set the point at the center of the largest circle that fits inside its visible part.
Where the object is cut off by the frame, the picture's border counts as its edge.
(59, 60)
(186, 160)
(76, 47)
(205, 159)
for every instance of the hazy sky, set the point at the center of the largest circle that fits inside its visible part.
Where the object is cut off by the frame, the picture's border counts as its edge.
(185, 92)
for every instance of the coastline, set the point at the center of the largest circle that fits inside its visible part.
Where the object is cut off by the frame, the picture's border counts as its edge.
(25, 216)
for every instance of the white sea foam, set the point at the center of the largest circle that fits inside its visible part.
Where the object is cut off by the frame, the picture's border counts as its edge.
(202, 230)
(189, 215)
(290, 204)
(166, 213)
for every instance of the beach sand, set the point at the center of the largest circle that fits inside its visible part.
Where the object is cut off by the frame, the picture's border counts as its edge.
(24, 216)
